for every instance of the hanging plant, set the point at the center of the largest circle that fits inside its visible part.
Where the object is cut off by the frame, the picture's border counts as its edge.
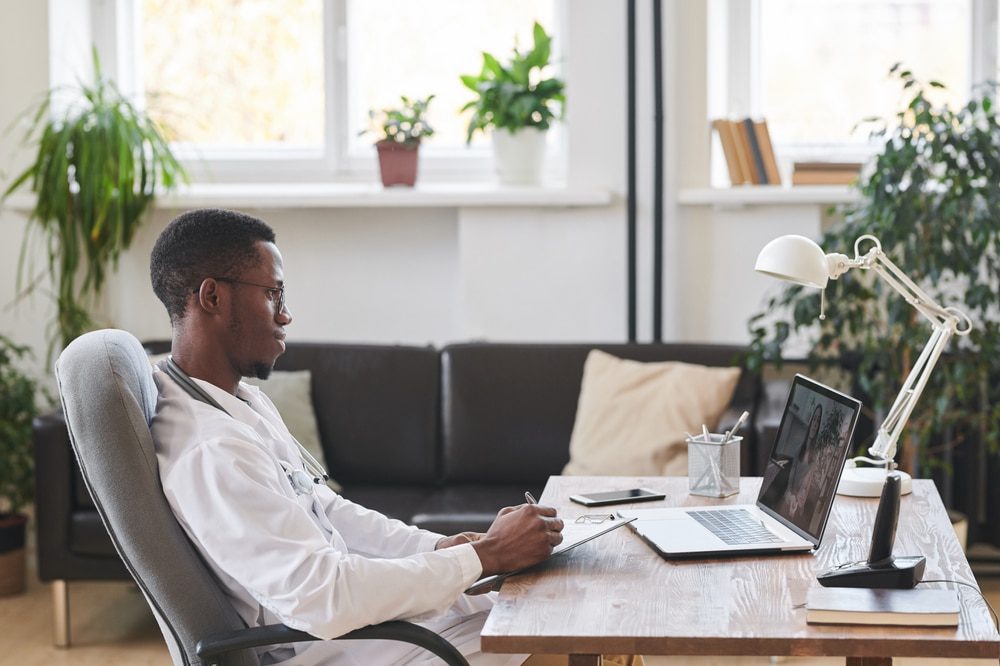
(98, 165)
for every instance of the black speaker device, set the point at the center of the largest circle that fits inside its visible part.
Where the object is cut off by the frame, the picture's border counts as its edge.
(882, 570)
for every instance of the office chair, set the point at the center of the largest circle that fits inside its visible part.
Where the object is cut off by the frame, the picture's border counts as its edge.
(106, 387)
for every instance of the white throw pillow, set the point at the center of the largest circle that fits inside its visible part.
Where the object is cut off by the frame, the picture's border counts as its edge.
(631, 417)
(291, 393)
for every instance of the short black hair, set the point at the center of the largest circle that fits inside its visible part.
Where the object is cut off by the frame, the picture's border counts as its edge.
(208, 242)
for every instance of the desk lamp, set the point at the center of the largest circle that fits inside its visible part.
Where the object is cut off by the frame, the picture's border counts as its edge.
(800, 260)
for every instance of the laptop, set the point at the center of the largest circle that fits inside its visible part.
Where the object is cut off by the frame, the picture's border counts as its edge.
(796, 495)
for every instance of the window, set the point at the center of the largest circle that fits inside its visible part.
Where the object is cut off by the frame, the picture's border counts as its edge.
(235, 75)
(280, 89)
(815, 69)
(824, 63)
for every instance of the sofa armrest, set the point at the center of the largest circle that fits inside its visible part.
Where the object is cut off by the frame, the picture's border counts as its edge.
(768, 418)
(54, 484)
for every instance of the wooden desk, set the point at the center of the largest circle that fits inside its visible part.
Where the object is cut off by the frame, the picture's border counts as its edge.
(616, 595)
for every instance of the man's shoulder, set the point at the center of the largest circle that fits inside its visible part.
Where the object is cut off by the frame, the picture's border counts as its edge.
(181, 425)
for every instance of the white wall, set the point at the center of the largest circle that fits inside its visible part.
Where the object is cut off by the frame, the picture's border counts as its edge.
(24, 75)
(438, 275)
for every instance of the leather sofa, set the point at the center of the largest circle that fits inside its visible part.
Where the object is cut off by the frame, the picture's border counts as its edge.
(439, 438)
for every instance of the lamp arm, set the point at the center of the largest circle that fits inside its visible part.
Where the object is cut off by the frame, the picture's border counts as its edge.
(945, 322)
(886, 439)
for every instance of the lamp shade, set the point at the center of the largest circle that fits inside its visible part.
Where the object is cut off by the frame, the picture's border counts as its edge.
(795, 259)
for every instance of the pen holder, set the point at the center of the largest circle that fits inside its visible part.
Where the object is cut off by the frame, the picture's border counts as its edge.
(713, 467)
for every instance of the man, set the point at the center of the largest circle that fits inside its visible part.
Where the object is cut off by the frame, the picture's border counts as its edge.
(289, 550)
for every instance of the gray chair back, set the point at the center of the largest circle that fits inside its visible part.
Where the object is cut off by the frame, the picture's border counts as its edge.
(108, 396)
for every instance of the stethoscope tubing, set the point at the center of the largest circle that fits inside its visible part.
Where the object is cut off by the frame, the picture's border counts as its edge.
(188, 385)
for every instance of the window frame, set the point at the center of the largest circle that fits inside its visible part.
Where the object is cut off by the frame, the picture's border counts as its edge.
(735, 77)
(115, 28)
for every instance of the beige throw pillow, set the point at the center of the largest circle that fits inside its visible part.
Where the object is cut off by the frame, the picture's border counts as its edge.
(291, 393)
(632, 416)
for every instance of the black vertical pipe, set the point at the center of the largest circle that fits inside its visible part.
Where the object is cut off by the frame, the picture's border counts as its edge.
(657, 173)
(630, 77)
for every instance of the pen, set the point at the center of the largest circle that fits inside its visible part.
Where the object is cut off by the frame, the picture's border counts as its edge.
(739, 424)
(530, 498)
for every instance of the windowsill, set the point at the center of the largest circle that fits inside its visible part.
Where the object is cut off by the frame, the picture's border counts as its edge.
(365, 195)
(768, 195)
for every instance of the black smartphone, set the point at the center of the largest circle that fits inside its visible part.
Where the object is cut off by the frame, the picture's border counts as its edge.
(617, 497)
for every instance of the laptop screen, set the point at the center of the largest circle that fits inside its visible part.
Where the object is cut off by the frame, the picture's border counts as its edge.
(803, 470)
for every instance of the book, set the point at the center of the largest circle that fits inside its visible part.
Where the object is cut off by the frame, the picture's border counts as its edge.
(767, 150)
(728, 141)
(824, 177)
(847, 605)
(828, 166)
(745, 152)
(825, 173)
(755, 151)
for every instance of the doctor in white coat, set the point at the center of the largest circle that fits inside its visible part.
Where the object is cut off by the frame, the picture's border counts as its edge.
(286, 547)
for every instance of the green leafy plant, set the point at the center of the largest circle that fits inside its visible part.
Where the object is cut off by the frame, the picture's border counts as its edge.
(17, 410)
(517, 94)
(932, 196)
(97, 167)
(403, 124)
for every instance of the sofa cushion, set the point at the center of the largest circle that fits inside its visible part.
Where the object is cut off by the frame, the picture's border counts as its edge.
(473, 508)
(508, 409)
(395, 501)
(88, 536)
(632, 417)
(376, 407)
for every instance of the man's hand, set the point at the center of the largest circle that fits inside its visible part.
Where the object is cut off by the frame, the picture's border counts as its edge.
(519, 537)
(458, 539)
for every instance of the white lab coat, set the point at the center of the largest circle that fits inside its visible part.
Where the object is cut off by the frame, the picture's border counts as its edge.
(315, 562)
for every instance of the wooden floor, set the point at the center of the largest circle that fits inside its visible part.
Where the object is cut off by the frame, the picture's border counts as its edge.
(111, 624)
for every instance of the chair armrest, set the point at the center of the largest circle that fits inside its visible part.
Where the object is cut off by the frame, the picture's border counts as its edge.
(216, 645)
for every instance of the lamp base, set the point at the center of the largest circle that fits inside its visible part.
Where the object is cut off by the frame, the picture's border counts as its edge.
(898, 573)
(868, 481)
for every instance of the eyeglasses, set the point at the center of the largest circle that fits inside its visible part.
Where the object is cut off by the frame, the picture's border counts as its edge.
(594, 519)
(274, 294)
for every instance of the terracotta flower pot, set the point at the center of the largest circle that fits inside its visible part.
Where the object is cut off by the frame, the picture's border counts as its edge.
(397, 162)
(13, 579)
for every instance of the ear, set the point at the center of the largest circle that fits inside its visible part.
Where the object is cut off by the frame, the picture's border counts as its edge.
(209, 298)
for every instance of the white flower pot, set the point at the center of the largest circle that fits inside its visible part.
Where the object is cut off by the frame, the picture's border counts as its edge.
(519, 156)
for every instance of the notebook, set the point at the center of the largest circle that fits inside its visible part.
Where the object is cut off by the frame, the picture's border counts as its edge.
(796, 495)
(574, 534)
(847, 605)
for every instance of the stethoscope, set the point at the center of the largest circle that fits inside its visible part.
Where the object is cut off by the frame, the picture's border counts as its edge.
(303, 481)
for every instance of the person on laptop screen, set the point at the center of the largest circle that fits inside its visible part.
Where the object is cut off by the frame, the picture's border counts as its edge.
(805, 460)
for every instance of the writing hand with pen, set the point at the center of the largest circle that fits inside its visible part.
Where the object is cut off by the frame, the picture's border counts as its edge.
(520, 536)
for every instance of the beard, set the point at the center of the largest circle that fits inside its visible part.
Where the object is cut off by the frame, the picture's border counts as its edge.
(260, 371)
(253, 368)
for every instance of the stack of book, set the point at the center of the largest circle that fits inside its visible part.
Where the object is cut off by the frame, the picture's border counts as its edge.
(825, 173)
(749, 154)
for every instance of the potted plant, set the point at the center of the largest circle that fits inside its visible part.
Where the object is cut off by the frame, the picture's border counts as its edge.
(98, 165)
(932, 196)
(401, 128)
(17, 410)
(518, 101)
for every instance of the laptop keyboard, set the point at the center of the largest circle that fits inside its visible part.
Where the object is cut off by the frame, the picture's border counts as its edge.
(735, 526)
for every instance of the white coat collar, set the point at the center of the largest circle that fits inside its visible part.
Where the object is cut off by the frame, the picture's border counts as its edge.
(236, 405)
